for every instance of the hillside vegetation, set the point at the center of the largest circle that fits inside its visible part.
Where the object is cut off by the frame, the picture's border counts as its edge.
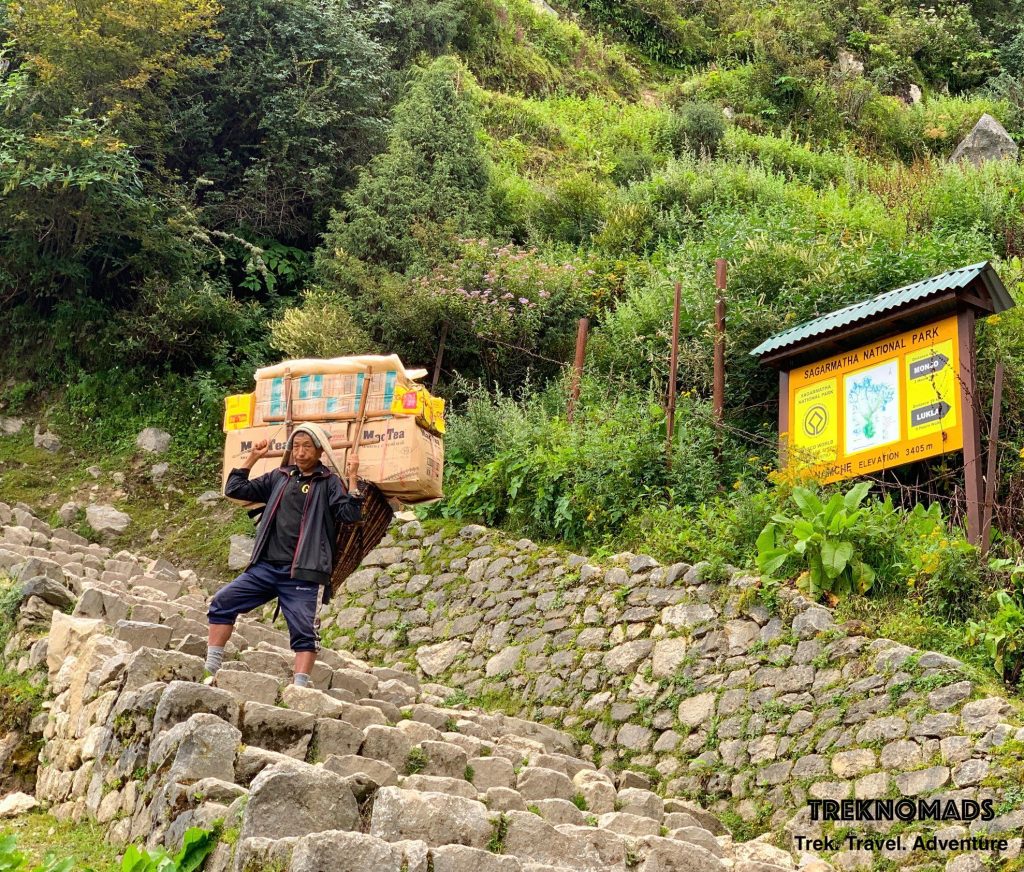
(193, 188)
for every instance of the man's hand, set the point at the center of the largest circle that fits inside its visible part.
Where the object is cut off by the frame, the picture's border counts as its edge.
(258, 452)
(352, 470)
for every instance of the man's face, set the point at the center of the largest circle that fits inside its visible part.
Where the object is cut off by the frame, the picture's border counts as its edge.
(305, 455)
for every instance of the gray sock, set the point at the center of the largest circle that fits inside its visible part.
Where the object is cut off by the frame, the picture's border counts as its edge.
(302, 679)
(214, 658)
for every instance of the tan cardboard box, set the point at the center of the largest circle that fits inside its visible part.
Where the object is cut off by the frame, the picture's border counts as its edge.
(404, 460)
(238, 444)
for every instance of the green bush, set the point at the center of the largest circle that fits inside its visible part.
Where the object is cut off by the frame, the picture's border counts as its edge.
(321, 326)
(1002, 633)
(820, 541)
(584, 482)
(697, 128)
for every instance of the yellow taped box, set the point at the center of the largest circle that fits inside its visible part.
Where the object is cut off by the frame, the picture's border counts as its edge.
(418, 401)
(238, 411)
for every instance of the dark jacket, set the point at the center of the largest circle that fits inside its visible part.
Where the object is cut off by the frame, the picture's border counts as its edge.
(328, 504)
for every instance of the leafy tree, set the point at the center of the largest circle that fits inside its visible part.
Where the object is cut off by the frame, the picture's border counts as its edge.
(277, 131)
(111, 58)
(426, 188)
(75, 216)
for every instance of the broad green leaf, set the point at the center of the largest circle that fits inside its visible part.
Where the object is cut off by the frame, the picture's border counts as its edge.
(855, 495)
(768, 539)
(807, 501)
(803, 530)
(832, 507)
(835, 556)
(771, 560)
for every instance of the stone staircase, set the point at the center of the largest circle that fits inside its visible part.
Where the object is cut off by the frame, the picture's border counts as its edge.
(369, 770)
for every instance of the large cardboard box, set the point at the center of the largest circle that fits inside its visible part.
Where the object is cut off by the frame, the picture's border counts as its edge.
(238, 444)
(404, 460)
(326, 396)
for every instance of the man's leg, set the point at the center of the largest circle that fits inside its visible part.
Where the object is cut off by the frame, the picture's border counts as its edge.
(251, 589)
(300, 605)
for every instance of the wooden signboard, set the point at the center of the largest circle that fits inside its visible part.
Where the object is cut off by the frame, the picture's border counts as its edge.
(877, 406)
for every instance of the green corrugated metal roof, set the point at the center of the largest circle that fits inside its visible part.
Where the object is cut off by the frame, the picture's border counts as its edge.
(952, 280)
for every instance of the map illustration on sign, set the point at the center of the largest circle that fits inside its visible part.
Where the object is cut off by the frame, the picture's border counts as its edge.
(872, 407)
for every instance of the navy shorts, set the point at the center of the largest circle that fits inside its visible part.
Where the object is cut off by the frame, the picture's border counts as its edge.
(259, 584)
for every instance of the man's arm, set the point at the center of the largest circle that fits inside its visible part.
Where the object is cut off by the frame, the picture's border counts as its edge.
(257, 490)
(347, 508)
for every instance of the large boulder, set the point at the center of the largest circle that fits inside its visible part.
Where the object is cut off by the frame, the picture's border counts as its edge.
(435, 659)
(436, 818)
(49, 591)
(182, 699)
(67, 637)
(277, 729)
(987, 141)
(296, 799)
(153, 440)
(10, 426)
(204, 746)
(46, 440)
(107, 521)
(357, 852)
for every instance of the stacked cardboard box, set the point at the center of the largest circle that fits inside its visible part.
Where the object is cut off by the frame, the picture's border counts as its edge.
(404, 459)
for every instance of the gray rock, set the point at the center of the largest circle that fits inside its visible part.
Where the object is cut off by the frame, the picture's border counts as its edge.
(158, 470)
(381, 773)
(435, 659)
(922, 780)
(988, 140)
(625, 657)
(943, 698)
(240, 551)
(849, 764)
(277, 729)
(348, 852)
(697, 709)
(667, 656)
(11, 426)
(983, 714)
(333, 737)
(459, 858)
(296, 799)
(206, 749)
(536, 783)
(687, 617)
(46, 440)
(107, 521)
(182, 699)
(503, 662)
(436, 818)
(142, 634)
(812, 621)
(153, 440)
(48, 591)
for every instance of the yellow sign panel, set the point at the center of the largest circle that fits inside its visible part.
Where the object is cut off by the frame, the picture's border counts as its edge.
(878, 406)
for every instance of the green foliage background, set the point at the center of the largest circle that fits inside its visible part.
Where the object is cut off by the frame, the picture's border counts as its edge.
(192, 188)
